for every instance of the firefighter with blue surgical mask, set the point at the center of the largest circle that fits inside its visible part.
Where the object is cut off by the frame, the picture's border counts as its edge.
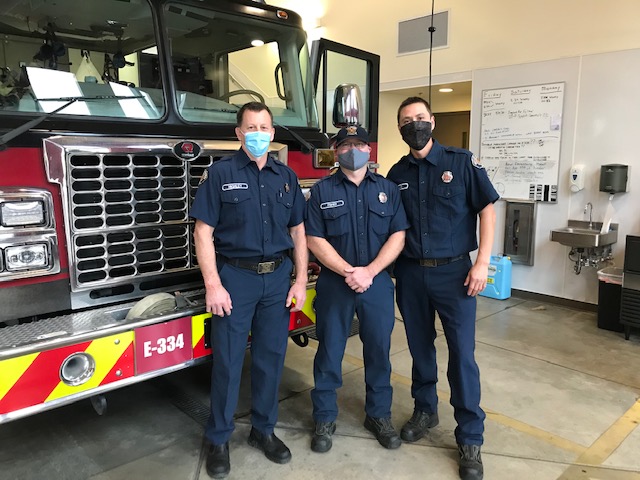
(249, 212)
(355, 226)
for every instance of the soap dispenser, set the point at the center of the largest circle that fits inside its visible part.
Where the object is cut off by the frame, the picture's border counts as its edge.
(576, 178)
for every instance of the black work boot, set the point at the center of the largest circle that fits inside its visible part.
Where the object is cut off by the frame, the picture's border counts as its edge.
(470, 462)
(274, 448)
(321, 441)
(218, 465)
(383, 429)
(417, 425)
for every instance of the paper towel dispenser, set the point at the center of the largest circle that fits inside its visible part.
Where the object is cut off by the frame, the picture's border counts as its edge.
(613, 178)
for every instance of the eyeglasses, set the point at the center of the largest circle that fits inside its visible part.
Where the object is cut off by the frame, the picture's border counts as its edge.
(349, 146)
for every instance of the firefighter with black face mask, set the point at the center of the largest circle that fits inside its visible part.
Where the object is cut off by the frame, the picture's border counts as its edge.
(444, 191)
(355, 227)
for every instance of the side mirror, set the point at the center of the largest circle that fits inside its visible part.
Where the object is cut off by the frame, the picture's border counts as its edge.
(347, 104)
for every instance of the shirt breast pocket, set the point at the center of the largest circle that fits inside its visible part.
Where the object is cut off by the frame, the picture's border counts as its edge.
(448, 201)
(235, 207)
(336, 221)
(284, 203)
(380, 219)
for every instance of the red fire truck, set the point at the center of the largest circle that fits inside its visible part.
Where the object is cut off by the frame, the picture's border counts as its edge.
(110, 110)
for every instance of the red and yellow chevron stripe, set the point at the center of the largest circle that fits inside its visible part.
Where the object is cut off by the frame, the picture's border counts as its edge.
(34, 379)
(307, 316)
(197, 334)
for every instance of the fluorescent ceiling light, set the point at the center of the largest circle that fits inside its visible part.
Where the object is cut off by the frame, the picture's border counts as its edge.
(257, 43)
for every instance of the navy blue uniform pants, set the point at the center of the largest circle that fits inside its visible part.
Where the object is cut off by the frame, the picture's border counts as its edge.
(258, 307)
(335, 306)
(421, 291)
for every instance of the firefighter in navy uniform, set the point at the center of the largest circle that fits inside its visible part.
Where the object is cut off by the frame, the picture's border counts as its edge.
(444, 191)
(253, 208)
(355, 226)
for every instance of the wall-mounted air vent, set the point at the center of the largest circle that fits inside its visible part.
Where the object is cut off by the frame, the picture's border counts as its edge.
(414, 35)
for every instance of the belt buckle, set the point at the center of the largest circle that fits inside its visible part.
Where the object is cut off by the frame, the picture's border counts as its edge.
(266, 267)
(428, 262)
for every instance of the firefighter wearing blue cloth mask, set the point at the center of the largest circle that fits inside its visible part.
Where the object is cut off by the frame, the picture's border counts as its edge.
(249, 212)
(355, 226)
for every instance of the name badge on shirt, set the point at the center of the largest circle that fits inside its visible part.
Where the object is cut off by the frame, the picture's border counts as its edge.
(403, 186)
(235, 186)
(336, 204)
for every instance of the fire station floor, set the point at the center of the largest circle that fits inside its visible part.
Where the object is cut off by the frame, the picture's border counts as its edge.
(561, 398)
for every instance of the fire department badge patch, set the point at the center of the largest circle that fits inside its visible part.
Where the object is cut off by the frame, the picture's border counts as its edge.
(382, 197)
(204, 177)
(447, 176)
(476, 162)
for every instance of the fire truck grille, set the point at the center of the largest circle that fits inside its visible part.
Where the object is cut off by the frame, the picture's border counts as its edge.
(130, 214)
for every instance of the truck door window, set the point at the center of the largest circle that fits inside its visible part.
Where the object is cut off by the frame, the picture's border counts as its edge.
(342, 69)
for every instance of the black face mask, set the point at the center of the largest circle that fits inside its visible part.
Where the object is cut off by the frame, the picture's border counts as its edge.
(416, 134)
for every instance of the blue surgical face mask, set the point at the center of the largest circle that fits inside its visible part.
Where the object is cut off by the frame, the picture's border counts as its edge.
(257, 142)
(353, 159)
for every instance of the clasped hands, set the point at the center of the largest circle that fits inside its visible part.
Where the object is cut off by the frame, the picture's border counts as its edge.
(359, 279)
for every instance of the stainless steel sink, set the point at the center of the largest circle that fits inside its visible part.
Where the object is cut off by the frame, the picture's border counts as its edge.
(580, 234)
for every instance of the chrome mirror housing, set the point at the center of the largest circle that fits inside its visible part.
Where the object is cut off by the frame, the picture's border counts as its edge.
(347, 104)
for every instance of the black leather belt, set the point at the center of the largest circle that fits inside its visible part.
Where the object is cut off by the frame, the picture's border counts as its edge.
(267, 266)
(436, 262)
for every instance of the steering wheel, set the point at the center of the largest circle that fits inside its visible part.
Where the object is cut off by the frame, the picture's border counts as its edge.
(242, 92)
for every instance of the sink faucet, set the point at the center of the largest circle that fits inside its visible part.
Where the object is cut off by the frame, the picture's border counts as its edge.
(589, 206)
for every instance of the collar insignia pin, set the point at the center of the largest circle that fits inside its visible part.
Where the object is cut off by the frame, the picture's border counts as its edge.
(286, 187)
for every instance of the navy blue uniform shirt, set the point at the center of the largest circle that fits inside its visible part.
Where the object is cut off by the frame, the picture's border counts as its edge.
(355, 220)
(250, 210)
(442, 195)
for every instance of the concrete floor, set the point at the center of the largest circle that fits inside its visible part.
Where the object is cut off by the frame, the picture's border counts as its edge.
(561, 396)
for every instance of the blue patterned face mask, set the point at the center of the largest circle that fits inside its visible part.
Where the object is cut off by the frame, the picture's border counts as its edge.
(353, 159)
(257, 142)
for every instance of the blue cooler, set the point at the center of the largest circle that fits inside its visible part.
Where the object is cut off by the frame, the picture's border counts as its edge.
(499, 279)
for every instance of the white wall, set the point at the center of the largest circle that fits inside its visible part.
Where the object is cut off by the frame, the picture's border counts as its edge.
(600, 123)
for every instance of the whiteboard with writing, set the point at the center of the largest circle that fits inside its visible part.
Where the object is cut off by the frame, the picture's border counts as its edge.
(520, 140)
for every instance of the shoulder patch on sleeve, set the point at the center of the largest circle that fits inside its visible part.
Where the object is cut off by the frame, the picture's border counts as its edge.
(476, 161)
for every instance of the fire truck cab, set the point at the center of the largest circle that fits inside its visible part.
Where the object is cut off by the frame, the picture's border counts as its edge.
(110, 111)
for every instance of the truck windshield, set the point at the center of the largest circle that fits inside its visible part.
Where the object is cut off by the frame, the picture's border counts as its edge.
(66, 48)
(221, 61)
(107, 56)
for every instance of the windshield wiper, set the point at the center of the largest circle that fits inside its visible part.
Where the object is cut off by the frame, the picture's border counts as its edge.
(205, 109)
(11, 134)
(306, 146)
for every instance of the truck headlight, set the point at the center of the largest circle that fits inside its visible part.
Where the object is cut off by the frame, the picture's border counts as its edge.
(26, 257)
(18, 214)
